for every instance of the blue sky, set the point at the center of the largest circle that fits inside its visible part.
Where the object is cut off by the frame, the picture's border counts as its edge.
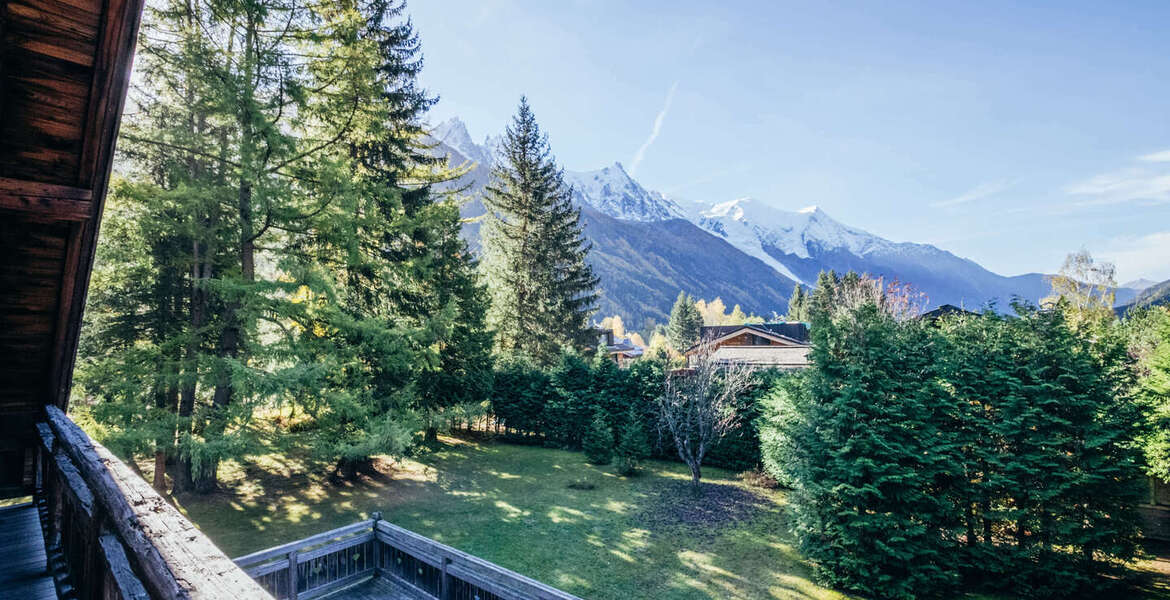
(1007, 134)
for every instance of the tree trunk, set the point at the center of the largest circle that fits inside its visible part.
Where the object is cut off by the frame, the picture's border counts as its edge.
(181, 475)
(201, 271)
(986, 510)
(696, 474)
(160, 471)
(1020, 529)
(160, 447)
(971, 524)
(432, 434)
(205, 476)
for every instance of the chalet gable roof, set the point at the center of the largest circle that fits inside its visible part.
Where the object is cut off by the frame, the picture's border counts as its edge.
(788, 333)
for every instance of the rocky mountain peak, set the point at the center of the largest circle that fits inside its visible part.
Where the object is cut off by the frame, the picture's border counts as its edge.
(613, 192)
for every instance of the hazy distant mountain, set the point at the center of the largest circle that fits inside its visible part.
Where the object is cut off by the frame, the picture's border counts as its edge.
(1138, 285)
(453, 133)
(647, 247)
(1157, 294)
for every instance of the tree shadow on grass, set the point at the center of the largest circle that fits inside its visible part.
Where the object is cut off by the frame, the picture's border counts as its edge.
(627, 538)
(675, 504)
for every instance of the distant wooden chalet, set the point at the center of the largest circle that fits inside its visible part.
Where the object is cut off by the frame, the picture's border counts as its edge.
(95, 529)
(621, 351)
(780, 345)
(624, 351)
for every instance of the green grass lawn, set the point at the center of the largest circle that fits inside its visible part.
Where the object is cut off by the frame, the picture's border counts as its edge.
(640, 537)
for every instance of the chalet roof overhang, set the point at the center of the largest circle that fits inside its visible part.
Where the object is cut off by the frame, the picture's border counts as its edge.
(775, 337)
(64, 70)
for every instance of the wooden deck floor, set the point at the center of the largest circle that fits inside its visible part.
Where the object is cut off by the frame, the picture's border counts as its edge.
(22, 556)
(378, 589)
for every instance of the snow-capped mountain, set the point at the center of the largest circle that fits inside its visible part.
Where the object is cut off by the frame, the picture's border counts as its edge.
(800, 244)
(800, 233)
(644, 250)
(610, 190)
(613, 192)
(647, 247)
(765, 232)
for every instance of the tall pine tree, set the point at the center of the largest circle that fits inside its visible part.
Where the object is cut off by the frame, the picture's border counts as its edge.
(410, 311)
(798, 305)
(542, 290)
(686, 322)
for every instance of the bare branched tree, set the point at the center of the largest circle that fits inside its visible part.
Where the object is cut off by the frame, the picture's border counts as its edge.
(1088, 287)
(698, 406)
(897, 299)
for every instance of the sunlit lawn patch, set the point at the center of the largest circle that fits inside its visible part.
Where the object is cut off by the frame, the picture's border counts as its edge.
(641, 537)
(523, 507)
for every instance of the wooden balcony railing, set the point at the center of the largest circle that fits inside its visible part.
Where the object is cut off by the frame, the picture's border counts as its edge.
(119, 539)
(319, 565)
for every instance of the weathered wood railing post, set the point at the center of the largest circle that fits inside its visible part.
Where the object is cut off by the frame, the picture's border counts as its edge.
(428, 568)
(445, 581)
(119, 538)
(292, 574)
(376, 516)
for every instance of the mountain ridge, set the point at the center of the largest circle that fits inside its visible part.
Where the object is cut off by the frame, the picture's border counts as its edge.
(621, 216)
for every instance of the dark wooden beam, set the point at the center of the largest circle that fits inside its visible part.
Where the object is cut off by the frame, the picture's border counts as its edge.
(65, 300)
(19, 187)
(107, 92)
(46, 200)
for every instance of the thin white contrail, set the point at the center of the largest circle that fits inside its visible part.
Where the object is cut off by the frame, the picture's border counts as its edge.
(654, 132)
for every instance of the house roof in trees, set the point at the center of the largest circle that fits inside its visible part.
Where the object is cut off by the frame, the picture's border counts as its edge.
(64, 71)
(945, 310)
(788, 332)
(626, 348)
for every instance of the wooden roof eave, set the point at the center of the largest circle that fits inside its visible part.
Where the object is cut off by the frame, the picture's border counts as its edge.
(783, 339)
(37, 78)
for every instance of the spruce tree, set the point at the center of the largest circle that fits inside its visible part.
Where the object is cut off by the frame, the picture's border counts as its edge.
(824, 294)
(798, 305)
(685, 325)
(411, 311)
(598, 441)
(1154, 391)
(864, 453)
(287, 136)
(572, 401)
(542, 289)
(611, 388)
(521, 395)
(994, 449)
(633, 447)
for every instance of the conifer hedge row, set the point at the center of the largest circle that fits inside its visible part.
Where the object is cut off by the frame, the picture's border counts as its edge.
(556, 406)
(984, 451)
